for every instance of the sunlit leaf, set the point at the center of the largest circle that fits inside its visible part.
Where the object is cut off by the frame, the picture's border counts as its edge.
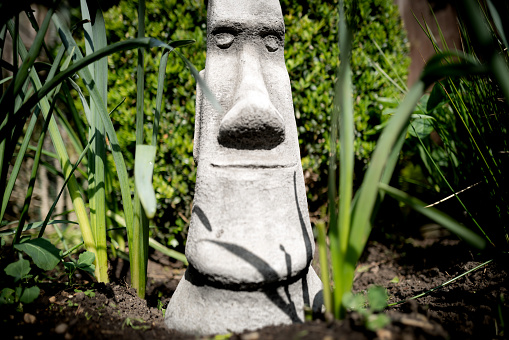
(143, 169)
(44, 254)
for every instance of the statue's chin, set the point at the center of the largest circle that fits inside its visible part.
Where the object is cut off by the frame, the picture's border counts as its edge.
(250, 226)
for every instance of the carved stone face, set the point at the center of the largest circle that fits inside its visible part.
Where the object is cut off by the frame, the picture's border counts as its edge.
(250, 222)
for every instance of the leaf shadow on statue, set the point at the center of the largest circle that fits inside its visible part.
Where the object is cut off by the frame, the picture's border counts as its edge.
(265, 269)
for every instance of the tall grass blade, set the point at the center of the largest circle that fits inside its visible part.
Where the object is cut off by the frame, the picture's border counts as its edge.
(324, 267)
(497, 20)
(33, 226)
(437, 216)
(481, 34)
(340, 233)
(169, 252)
(143, 169)
(70, 130)
(201, 82)
(3, 34)
(74, 190)
(159, 97)
(68, 178)
(76, 66)
(138, 250)
(362, 213)
(26, 139)
(33, 175)
(17, 164)
(96, 97)
(95, 37)
(21, 153)
(33, 53)
(69, 101)
(442, 285)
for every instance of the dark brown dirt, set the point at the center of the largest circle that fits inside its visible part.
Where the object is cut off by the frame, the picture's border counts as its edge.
(472, 307)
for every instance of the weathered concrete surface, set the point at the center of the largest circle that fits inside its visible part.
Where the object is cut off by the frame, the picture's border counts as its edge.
(250, 242)
(211, 310)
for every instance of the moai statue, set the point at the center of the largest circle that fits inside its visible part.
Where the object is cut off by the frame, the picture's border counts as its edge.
(250, 242)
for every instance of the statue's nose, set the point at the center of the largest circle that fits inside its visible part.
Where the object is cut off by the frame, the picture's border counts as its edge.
(253, 122)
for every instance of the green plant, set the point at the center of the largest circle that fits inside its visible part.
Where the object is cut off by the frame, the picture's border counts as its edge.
(28, 95)
(44, 255)
(85, 262)
(350, 224)
(137, 324)
(19, 270)
(90, 293)
(369, 307)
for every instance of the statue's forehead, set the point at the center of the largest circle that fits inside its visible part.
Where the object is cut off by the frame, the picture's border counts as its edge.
(259, 12)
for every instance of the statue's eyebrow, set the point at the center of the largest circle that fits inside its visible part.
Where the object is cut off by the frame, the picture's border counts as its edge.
(235, 27)
(272, 29)
(219, 26)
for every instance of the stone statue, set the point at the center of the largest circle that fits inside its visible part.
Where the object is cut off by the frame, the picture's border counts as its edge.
(250, 242)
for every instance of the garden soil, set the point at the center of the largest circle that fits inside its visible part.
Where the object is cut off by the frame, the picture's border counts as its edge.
(472, 307)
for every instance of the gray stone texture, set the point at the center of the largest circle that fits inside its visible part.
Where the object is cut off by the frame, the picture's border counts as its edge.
(250, 242)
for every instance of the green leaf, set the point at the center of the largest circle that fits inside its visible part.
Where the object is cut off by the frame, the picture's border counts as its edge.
(421, 127)
(70, 266)
(377, 321)
(7, 296)
(81, 63)
(388, 102)
(18, 269)
(34, 225)
(143, 169)
(181, 43)
(436, 97)
(166, 251)
(34, 51)
(377, 298)
(86, 259)
(27, 295)
(85, 262)
(353, 301)
(44, 254)
(84, 72)
(497, 21)
(439, 67)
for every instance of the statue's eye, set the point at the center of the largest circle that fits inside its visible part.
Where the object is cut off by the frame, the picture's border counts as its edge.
(224, 39)
(271, 42)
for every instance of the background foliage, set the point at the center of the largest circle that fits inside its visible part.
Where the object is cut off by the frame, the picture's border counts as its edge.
(312, 60)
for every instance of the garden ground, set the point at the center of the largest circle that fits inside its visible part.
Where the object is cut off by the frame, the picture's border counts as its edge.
(472, 307)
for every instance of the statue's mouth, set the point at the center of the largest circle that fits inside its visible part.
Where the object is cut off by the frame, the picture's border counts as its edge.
(252, 165)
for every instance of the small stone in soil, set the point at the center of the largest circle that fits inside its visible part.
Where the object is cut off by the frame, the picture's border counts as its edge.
(61, 328)
(80, 296)
(29, 318)
(250, 336)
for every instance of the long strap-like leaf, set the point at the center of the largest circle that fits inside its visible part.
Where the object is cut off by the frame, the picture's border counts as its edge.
(78, 203)
(84, 72)
(95, 39)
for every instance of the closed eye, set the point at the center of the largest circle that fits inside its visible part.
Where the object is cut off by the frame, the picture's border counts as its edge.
(271, 43)
(224, 39)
